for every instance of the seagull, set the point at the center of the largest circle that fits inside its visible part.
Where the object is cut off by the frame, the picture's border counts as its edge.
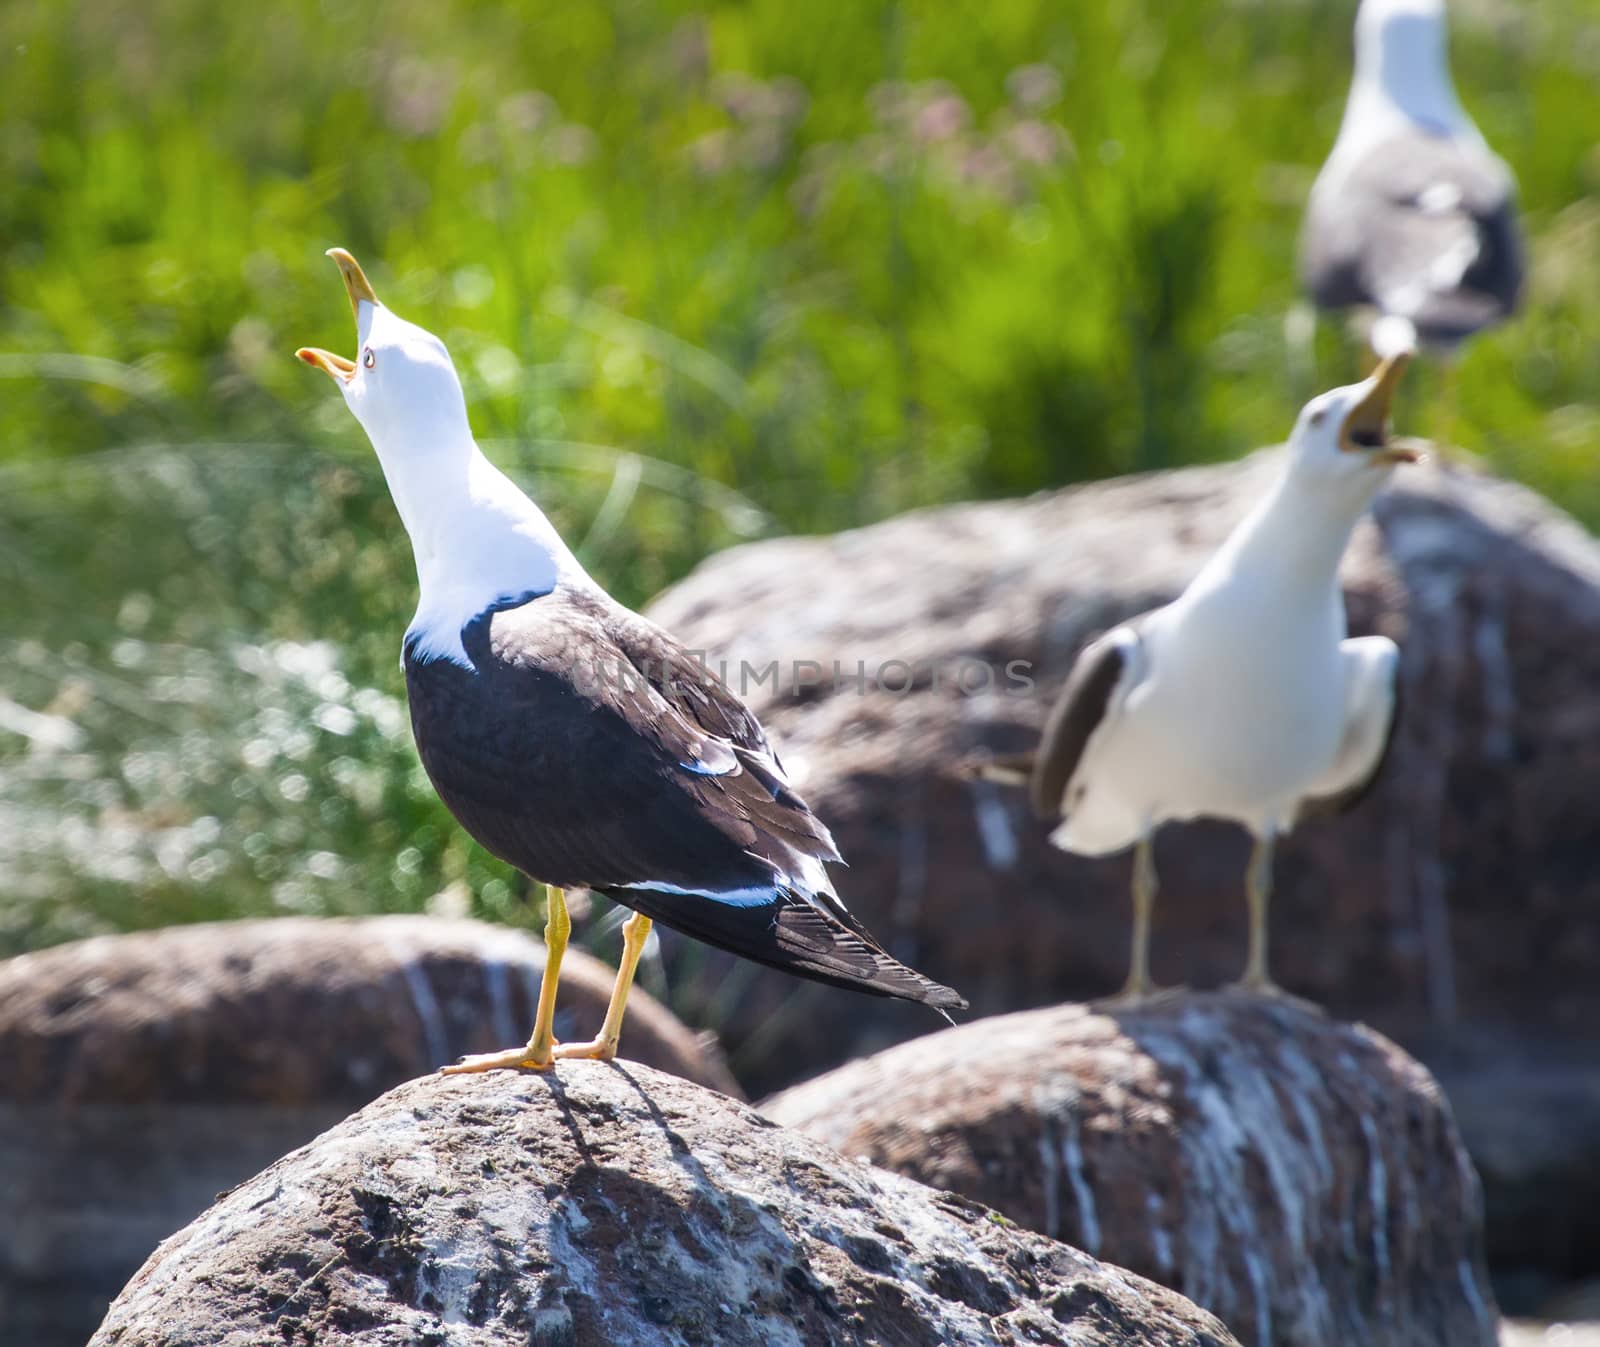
(1412, 214)
(573, 738)
(1242, 699)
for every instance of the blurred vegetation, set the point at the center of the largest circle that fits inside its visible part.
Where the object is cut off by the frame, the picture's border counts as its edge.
(709, 271)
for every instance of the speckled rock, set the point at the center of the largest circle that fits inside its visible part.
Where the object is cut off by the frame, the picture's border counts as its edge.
(1300, 1178)
(614, 1205)
(146, 1073)
(1462, 887)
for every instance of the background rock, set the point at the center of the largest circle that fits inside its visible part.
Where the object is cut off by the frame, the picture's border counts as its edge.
(613, 1204)
(145, 1073)
(1300, 1178)
(1529, 1113)
(1460, 899)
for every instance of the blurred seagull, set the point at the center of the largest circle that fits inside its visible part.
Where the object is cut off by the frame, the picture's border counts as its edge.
(1242, 699)
(1412, 214)
(571, 737)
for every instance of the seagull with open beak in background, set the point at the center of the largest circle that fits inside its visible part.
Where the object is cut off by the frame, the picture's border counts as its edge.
(573, 738)
(1242, 699)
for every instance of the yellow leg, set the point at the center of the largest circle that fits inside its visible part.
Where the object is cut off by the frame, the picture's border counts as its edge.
(1145, 887)
(1258, 889)
(538, 1053)
(635, 931)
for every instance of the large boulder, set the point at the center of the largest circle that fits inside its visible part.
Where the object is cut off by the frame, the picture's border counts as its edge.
(1300, 1178)
(1529, 1113)
(612, 1204)
(1463, 887)
(145, 1073)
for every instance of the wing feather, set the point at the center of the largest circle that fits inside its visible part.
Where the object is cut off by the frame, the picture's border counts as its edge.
(797, 936)
(1088, 692)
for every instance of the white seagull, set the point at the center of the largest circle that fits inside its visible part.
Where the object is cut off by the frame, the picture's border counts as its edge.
(1242, 699)
(1412, 215)
(571, 737)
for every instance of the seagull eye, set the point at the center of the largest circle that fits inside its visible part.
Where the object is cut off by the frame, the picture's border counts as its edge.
(1317, 417)
(369, 360)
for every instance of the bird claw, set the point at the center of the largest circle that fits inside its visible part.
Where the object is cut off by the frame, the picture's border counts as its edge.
(1133, 996)
(596, 1050)
(514, 1059)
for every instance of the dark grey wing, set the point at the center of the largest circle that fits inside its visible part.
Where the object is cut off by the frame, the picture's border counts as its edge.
(698, 713)
(1100, 667)
(679, 674)
(1421, 226)
(705, 702)
(560, 754)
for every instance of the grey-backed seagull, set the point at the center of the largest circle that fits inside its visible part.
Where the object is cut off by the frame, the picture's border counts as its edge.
(1412, 215)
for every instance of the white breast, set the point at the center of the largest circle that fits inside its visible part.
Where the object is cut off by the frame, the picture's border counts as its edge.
(1241, 709)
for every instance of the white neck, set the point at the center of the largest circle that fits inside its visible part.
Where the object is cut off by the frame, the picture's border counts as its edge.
(477, 539)
(1402, 82)
(1293, 540)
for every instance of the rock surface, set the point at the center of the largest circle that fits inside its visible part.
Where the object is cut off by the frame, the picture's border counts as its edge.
(1529, 1112)
(1300, 1178)
(612, 1204)
(146, 1073)
(1464, 886)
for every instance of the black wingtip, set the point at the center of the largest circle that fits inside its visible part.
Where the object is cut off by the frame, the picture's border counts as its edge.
(940, 998)
(893, 978)
(797, 936)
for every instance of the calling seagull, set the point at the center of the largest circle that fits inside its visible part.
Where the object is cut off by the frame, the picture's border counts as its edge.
(573, 738)
(1413, 216)
(1242, 699)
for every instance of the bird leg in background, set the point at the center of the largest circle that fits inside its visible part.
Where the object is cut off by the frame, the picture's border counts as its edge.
(1258, 889)
(635, 931)
(1145, 887)
(537, 1053)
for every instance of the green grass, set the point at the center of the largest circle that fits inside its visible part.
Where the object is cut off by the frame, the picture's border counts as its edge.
(707, 271)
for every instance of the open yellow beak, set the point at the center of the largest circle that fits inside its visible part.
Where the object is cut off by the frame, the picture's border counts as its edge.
(358, 288)
(1366, 428)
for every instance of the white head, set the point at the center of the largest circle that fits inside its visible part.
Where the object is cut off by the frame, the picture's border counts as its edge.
(1342, 440)
(402, 387)
(478, 539)
(1402, 55)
